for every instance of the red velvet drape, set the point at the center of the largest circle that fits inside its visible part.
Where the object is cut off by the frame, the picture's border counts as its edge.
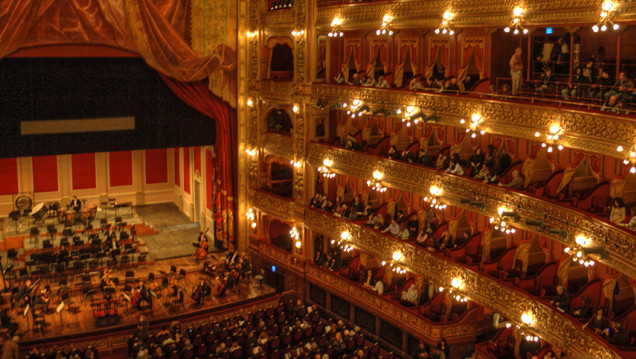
(197, 95)
(438, 47)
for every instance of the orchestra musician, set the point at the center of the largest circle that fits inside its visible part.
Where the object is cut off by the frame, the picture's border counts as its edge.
(63, 256)
(231, 257)
(76, 204)
(140, 294)
(201, 252)
(202, 235)
(202, 290)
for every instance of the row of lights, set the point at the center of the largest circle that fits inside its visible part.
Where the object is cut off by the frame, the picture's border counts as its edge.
(516, 25)
(552, 138)
(501, 224)
(578, 251)
(251, 217)
(434, 199)
(394, 263)
(607, 16)
(456, 290)
(344, 243)
(295, 236)
(525, 327)
(375, 184)
(474, 126)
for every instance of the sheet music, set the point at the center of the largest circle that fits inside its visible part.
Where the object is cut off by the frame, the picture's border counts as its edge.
(26, 310)
(60, 307)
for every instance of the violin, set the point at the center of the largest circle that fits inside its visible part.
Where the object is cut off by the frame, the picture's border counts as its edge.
(136, 295)
(196, 292)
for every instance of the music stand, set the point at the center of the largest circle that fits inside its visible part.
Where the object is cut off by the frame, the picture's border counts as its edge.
(4, 282)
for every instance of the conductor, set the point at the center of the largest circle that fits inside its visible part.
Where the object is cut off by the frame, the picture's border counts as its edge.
(76, 204)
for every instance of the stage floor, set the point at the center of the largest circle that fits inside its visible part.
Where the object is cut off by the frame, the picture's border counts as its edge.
(81, 321)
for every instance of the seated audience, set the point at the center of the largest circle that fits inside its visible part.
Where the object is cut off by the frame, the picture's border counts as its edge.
(515, 183)
(622, 85)
(415, 84)
(611, 105)
(393, 153)
(485, 174)
(424, 158)
(632, 221)
(393, 228)
(357, 206)
(382, 83)
(573, 89)
(617, 211)
(598, 323)
(476, 162)
(352, 143)
(340, 78)
(455, 168)
(442, 162)
(413, 226)
(407, 155)
(373, 284)
(618, 336)
(404, 233)
(422, 237)
(547, 83)
(368, 82)
(355, 80)
(586, 310)
(409, 297)
(562, 299)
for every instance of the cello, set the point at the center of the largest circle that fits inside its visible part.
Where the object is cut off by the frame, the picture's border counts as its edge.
(202, 251)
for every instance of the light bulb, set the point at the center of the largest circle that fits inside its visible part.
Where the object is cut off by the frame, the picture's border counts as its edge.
(525, 31)
(595, 28)
(437, 31)
(451, 33)
(603, 28)
(516, 32)
(615, 27)
(619, 149)
(506, 29)
(377, 32)
(517, 11)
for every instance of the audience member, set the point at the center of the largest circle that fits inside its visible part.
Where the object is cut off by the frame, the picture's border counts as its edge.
(455, 168)
(547, 83)
(598, 323)
(515, 183)
(409, 297)
(393, 228)
(632, 221)
(382, 83)
(562, 299)
(617, 211)
(476, 162)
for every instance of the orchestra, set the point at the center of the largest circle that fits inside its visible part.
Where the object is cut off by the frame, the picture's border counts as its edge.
(202, 246)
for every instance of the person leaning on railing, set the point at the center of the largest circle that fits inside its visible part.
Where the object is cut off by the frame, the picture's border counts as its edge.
(574, 88)
(546, 84)
(622, 85)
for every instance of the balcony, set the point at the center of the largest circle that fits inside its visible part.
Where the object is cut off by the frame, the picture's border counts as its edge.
(278, 144)
(418, 179)
(458, 331)
(593, 132)
(552, 325)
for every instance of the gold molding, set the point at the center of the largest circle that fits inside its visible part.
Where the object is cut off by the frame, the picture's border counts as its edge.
(432, 332)
(418, 179)
(591, 132)
(550, 325)
(278, 144)
(273, 205)
(428, 14)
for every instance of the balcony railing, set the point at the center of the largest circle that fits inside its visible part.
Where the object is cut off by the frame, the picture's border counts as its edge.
(418, 179)
(456, 331)
(555, 327)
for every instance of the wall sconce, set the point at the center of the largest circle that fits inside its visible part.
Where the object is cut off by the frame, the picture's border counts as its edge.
(516, 26)
(344, 242)
(630, 158)
(500, 222)
(357, 107)
(325, 169)
(456, 290)
(251, 34)
(473, 127)
(375, 184)
(434, 199)
(394, 263)
(249, 102)
(552, 138)
(251, 217)
(559, 232)
(474, 202)
(251, 152)
(295, 235)
(525, 327)
(296, 164)
(296, 108)
(298, 33)
(580, 249)
(607, 16)
(335, 28)
(412, 115)
(537, 223)
(445, 27)
(385, 28)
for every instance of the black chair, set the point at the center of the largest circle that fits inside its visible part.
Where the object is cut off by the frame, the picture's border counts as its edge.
(12, 256)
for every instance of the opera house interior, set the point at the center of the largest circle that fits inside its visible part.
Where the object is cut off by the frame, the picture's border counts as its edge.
(318, 179)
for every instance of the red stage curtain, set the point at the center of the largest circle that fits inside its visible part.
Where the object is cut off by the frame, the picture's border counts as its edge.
(197, 95)
(152, 28)
(8, 176)
(83, 170)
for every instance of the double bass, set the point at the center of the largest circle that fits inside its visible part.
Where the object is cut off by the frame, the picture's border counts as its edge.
(202, 251)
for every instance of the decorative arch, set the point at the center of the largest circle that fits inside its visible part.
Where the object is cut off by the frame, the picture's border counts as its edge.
(278, 121)
(279, 51)
(472, 48)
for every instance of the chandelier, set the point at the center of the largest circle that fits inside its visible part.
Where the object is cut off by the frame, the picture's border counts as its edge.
(412, 115)
(325, 169)
(385, 27)
(445, 29)
(607, 16)
(516, 26)
(474, 126)
(631, 158)
(375, 184)
(344, 242)
(552, 138)
(394, 263)
(335, 28)
(525, 327)
(434, 198)
(456, 290)
(501, 224)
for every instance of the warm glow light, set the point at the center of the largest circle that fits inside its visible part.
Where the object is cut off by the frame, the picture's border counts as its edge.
(435, 191)
(457, 283)
(327, 162)
(608, 5)
(336, 21)
(298, 244)
(527, 318)
(345, 235)
(249, 102)
(295, 108)
(554, 129)
(377, 175)
(517, 11)
(250, 152)
(476, 117)
(448, 15)
(581, 241)
(386, 18)
(619, 149)
(397, 256)
(501, 210)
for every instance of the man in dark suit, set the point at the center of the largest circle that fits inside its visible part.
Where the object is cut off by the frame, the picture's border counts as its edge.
(76, 204)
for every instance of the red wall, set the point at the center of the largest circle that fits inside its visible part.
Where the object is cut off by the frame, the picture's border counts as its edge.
(156, 166)
(208, 179)
(177, 168)
(186, 169)
(8, 176)
(83, 171)
(44, 173)
(120, 164)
